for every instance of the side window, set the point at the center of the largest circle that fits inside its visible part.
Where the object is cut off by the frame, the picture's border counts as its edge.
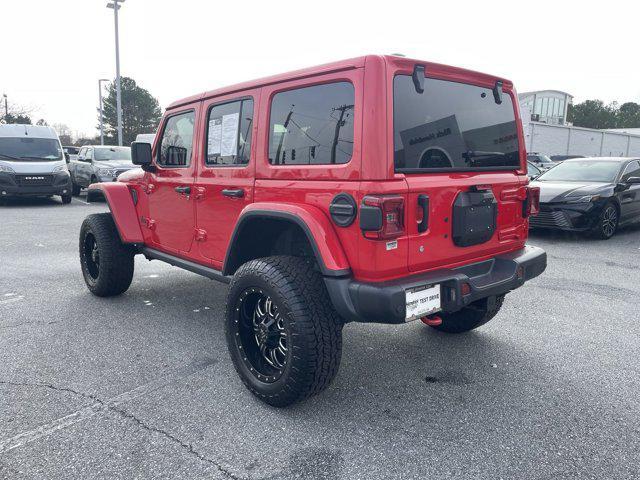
(177, 141)
(81, 153)
(88, 155)
(312, 125)
(229, 133)
(632, 170)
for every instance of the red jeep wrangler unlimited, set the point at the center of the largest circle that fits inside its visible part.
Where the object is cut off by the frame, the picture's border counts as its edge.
(377, 189)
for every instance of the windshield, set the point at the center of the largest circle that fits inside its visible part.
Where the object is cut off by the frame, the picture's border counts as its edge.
(112, 153)
(539, 158)
(452, 126)
(71, 150)
(30, 148)
(582, 171)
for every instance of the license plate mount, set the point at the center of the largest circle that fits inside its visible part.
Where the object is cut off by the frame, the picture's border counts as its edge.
(422, 301)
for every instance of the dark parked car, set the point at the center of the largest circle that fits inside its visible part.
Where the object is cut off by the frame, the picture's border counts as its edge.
(533, 171)
(70, 152)
(540, 160)
(591, 195)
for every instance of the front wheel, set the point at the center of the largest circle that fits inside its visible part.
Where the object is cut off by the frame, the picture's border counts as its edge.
(75, 189)
(107, 263)
(283, 335)
(66, 199)
(472, 316)
(607, 223)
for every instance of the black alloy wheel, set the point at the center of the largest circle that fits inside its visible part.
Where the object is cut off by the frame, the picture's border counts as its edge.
(261, 334)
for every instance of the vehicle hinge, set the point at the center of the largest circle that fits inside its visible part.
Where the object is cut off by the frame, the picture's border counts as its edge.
(147, 222)
(199, 195)
(200, 235)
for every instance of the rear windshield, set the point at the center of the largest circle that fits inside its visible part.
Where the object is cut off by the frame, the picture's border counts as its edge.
(452, 126)
(29, 148)
(113, 153)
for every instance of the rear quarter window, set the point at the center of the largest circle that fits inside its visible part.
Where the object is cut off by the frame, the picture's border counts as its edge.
(312, 125)
(452, 126)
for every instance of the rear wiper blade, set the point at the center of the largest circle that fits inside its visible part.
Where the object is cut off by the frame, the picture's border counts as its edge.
(10, 157)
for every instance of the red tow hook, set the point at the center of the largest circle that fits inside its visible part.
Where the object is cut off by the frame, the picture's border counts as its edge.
(432, 321)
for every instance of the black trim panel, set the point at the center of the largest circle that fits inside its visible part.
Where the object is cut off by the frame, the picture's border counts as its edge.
(230, 256)
(208, 272)
(385, 302)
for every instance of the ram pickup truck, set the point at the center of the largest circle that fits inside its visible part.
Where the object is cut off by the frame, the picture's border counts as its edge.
(98, 163)
(377, 189)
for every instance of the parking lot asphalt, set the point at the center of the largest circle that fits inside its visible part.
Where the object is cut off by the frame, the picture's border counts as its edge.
(141, 386)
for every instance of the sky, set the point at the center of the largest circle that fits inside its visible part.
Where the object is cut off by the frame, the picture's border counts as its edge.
(54, 51)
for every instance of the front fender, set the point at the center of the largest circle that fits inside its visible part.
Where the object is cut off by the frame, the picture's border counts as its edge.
(313, 222)
(123, 210)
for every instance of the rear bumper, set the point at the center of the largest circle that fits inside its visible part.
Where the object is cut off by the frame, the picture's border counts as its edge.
(60, 185)
(385, 302)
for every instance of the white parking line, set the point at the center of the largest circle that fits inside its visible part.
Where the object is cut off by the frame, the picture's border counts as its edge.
(98, 407)
(80, 201)
(12, 299)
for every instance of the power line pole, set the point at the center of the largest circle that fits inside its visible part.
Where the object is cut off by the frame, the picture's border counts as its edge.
(6, 108)
(339, 124)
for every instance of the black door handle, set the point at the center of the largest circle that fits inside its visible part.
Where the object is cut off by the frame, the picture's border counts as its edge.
(423, 202)
(186, 190)
(236, 193)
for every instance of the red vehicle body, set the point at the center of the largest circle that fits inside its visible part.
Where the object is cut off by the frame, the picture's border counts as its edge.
(373, 227)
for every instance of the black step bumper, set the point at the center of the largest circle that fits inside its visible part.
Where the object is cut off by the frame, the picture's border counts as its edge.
(384, 302)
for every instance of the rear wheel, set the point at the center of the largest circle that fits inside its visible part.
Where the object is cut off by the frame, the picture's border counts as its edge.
(608, 222)
(283, 335)
(472, 316)
(75, 189)
(107, 263)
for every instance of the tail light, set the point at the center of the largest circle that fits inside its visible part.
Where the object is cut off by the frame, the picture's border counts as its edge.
(531, 205)
(382, 216)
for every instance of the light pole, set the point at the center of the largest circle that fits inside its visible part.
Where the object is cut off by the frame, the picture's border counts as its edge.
(6, 108)
(100, 97)
(115, 5)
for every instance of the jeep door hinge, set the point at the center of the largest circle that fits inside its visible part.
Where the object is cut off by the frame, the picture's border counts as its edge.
(200, 235)
(199, 193)
(147, 222)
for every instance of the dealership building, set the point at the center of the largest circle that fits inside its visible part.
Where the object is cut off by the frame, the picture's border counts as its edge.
(546, 130)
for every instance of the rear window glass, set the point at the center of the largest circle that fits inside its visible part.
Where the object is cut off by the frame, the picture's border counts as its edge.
(452, 126)
(312, 125)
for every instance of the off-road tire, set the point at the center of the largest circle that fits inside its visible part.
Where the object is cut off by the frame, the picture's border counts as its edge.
(66, 199)
(600, 231)
(115, 259)
(472, 316)
(75, 189)
(313, 327)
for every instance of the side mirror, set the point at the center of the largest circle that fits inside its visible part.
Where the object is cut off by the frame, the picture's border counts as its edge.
(141, 153)
(66, 157)
(633, 180)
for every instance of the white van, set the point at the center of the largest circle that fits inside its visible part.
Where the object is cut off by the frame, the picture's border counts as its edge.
(32, 162)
